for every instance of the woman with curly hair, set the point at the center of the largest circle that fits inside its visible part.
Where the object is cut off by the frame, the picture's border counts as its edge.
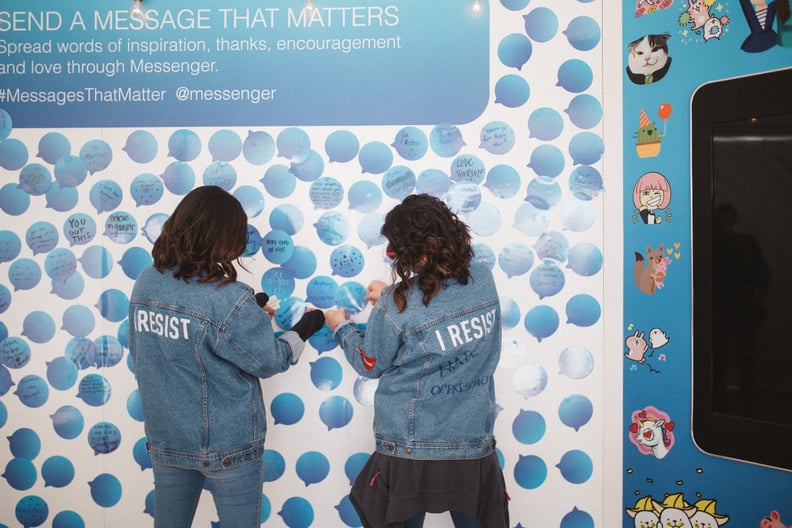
(433, 340)
(199, 342)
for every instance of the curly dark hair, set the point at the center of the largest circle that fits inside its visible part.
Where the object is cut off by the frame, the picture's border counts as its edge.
(203, 237)
(426, 239)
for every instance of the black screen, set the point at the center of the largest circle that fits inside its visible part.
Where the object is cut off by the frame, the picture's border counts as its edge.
(742, 254)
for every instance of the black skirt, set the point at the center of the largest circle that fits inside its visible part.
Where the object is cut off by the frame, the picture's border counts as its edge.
(389, 490)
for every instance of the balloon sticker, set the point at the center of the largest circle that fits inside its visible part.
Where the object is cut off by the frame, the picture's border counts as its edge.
(78, 320)
(302, 264)
(583, 33)
(134, 260)
(274, 465)
(576, 466)
(153, 226)
(113, 305)
(31, 511)
(108, 351)
(463, 197)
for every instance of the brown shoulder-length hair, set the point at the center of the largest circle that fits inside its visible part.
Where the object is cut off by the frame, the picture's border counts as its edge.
(203, 237)
(427, 239)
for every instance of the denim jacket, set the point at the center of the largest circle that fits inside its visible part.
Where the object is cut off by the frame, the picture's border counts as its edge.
(435, 398)
(198, 352)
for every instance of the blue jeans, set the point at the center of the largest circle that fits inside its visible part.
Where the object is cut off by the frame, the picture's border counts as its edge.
(236, 492)
(460, 521)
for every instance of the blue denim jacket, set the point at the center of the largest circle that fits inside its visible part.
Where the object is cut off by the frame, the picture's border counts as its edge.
(198, 353)
(435, 398)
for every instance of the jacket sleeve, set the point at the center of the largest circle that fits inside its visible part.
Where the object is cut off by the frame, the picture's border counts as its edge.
(251, 345)
(373, 352)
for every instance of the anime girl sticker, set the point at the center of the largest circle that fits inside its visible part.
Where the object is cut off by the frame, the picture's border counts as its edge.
(651, 196)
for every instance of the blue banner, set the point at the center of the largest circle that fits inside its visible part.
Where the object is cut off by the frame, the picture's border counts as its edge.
(90, 63)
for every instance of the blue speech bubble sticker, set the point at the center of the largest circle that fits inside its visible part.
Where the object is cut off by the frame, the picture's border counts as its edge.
(375, 157)
(297, 513)
(321, 291)
(57, 471)
(547, 161)
(467, 168)
(97, 155)
(434, 182)
(38, 326)
(512, 91)
(530, 380)
(146, 189)
(575, 76)
(220, 174)
(14, 201)
(341, 146)
(585, 111)
(14, 352)
(106, 490)
(585, 182)
(70, 171)
(516, 259)
(62, 199)
(577, 519)
(291, 140)
(52, 146)
(485, 220)
(446, 140)
(586, 148)
(32, 391)
(135, 260)
(530, 472)
(20, 473)
(153, 226)
(529, 427)
(547, 279)
(543, 193)
(335, 412)
(585, 259)
(141, 146)
(113, 305)
(94, 390)
(278, 181)
(178, 177)
(411, 143)
(326, 374)
(121, 227)
(575, 411)
(463, 197)
(302, 264)
(61, 373)
(326, 193)
(13, 154)
(278, 282)
(364, 196)
(545, 124)
(60, 264)
(274, 465)
(332, 228)
(35, 179)
(251, 199)
(346, 261)
(578, 215)
(104, 438)
(552, 245)
(184, 145)
(141, 455)
(225, 145)
(307, 165)
(258, 147)
(287, 409)
(312, 467)
(24, 274)
(541, 24)
(497, 137)
(81, 351)
(484, 255)
(31, 511)
(576, 466)
(541, 321)
(78, 320)
(347, 512)
(11, 245)
(6, 124)
(514, 50)
(108, 351)
(583, 310)
(370, 229)
(350, 295)
(41, 237)
(79, 229)
(365, 389)
(68, 422)
(583, 33)
(277, 246)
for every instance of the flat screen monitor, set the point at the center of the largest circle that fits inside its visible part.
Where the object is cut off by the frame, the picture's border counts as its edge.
(741, 162)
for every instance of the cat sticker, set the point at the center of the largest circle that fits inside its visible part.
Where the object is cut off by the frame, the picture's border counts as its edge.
(648, 59)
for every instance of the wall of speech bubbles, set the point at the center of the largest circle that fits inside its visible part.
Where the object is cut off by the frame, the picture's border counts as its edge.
(81, 208)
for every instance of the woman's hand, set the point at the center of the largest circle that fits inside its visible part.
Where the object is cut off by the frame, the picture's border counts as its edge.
(373, 291)
(333, 318)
